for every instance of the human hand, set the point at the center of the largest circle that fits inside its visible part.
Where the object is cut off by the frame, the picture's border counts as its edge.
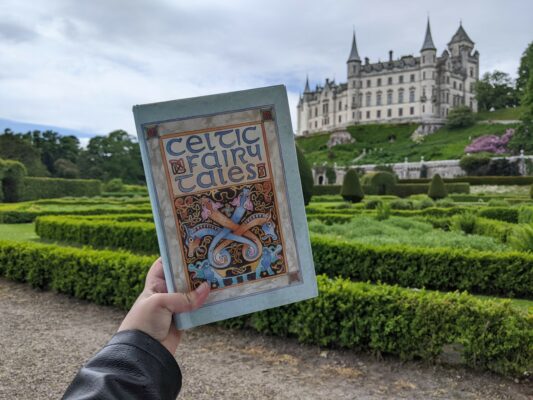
(153, 309)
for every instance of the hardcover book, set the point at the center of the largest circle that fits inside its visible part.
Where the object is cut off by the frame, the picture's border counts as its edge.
(225, 190)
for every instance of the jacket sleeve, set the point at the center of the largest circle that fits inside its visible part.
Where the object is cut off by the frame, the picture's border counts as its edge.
(133, 365)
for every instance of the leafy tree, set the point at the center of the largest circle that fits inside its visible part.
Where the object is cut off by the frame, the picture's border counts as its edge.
(460, 117)
(496, 89)
(351, 187)
(331, 176)
(114, 185)
(66, 169)
(113, 156)
(437, 189)
(524, 70)
(14, 147)
(306, 176)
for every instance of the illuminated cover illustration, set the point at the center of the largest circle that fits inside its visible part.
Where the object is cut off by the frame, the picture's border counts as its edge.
(225, 190)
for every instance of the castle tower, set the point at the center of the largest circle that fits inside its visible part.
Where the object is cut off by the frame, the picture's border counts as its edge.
(428, 80)
(303, 108)
(353, 66)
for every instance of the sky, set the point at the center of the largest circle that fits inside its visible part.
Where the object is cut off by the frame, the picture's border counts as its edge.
(82, 65)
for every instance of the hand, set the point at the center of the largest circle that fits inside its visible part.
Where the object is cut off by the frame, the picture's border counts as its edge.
(153, 309)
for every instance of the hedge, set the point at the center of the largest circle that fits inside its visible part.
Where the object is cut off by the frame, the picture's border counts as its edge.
(480, 180)
(379, 318)
(11, 180)
(17, 216)
(319, 190)
(509, 274)
(42, 188)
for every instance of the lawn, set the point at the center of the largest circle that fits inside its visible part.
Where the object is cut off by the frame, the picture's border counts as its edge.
(392, 143)
(503, 114)
(18, 232)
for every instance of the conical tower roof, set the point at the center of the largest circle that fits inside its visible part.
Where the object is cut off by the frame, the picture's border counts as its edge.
(428, 40)
(307, 90)
(460, 36)
(354, 55)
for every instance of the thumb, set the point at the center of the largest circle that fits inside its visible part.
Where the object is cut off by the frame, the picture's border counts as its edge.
(184, 302)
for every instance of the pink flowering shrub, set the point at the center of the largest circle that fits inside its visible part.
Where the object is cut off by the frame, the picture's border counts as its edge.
(491, 143)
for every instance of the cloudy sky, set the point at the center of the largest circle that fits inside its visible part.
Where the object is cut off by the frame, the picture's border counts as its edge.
(83, 64)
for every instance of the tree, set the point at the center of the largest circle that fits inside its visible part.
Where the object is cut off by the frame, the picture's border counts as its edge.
(460, 117)
(14, 147)
(306, 176)
(351, 187)
(66, 169)
(524, 70)
(331, 176)
(495, 90)
(437, 189)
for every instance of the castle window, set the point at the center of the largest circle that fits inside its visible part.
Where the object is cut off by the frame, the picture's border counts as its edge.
(400, 112)
(389, 97)
(460, 86)
(378, 99)
(411, 95)
(454, 84)
(471, 72)
(389, 113)
(340, 118)
(378, 114)
(315, 124)
(316, 111)
(471, 87)
(412, 77)
(471, 104)
(423, 59)
(325, 108)
(400, 96)
(368, 99)
(360, 99)
(447, 98)
(412, 110)
(368, 83)
(340, 105)
(423, 108)
(448, 80)
(359, 114)
(379, 82)
(368, 115)
(424, 75)
(353, 84)
(389, 81)
(400, 79)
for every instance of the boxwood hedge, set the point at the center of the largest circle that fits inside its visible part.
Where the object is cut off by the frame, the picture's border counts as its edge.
(509, 274)
(378, 318)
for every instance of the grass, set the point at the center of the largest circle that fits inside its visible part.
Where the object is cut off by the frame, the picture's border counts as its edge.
(498, 115)
(521, 304)
(18, 232)
(442, 145)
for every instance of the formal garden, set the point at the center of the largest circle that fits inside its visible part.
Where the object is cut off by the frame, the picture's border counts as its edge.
(415, 272)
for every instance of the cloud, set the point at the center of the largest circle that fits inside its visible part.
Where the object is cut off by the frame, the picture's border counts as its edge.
(83, 64)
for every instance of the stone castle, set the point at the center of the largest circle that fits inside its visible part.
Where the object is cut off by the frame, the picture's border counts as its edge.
(409, 89)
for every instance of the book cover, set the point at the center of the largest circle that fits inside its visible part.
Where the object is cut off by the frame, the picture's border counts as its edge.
(225, 190)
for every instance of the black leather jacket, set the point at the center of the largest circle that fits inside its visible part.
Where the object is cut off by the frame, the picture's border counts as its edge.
(133, 365)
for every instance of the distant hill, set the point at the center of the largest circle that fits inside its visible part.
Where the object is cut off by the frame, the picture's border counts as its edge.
(24, 127)
(391, 143)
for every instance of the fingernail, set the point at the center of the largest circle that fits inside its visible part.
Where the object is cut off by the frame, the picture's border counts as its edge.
(203, 288)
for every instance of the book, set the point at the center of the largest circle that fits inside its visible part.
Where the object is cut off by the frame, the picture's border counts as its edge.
(226, 195)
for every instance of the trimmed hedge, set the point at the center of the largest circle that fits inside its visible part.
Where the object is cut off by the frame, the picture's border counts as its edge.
(43, 188)
(509, 274)
(12, 174)
(320, 190)
(16, 216)
(480, 180)
(382, 319)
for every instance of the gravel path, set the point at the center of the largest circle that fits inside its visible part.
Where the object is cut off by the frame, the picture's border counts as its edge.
(45, 337)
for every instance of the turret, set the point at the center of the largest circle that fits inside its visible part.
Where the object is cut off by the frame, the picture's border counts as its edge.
(460, 42)
(428, 71)
(353, 65)
(354, 61)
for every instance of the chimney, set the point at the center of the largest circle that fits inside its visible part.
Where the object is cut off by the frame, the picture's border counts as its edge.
(367, 61)
(390, 55)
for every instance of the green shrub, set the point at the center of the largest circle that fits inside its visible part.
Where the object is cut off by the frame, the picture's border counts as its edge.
(43, 188)
(525, 215)
(522, 238)
(380, 183)
(372, 204)
(460, 117)
(445, 203)
(481, 180)
(12, 174)
(425, 203)
(401, 205)
(437, 189)
(351, 187)
(464, 222)
(498, 203)
(320, 190)
(114, 185)
(500, 213)
(383, 211)
(409, 189)
(382, 319)
(306, 176)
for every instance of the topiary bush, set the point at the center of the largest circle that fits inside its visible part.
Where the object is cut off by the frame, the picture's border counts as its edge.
(12, 174)
(306, 176)
(437, 189)
(114, 185)
(351, 187)
(379, 183)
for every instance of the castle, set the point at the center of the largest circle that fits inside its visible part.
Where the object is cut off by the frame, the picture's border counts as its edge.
(410, 89)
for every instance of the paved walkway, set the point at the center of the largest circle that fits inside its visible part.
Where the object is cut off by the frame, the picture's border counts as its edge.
(45, 337)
